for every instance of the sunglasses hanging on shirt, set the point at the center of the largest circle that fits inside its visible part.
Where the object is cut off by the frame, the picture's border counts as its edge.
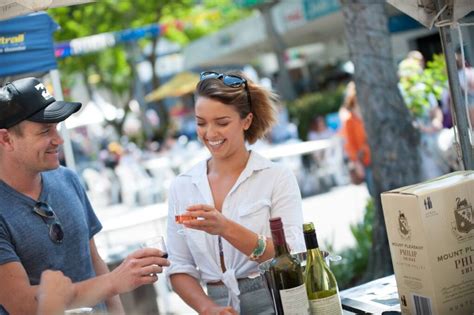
(56, 233)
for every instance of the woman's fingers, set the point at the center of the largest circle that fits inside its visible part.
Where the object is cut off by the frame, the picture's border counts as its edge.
(197, 224)
(151, 270)
(200, 207)
(206, 218)
(201, 214)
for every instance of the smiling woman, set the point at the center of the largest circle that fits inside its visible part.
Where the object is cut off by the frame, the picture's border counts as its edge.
(220, 127)
(230, 198)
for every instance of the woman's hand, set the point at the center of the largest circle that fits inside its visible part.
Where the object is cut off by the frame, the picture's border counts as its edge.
(208, 219)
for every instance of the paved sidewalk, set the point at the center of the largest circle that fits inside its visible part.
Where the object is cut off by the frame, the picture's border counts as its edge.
(333, 213)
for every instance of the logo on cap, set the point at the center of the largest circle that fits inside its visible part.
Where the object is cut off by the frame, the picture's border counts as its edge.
(44, 92)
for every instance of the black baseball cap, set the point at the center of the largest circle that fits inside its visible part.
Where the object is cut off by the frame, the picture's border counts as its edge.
(28, 99)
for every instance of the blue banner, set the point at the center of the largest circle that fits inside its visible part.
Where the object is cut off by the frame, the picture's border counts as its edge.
(402, 23)
(89, 44)
(26, 44)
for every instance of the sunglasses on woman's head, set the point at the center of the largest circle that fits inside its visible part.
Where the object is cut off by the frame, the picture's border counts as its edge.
(230, 80)
(56, 233)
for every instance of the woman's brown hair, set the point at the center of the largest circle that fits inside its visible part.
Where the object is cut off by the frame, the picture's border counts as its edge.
(262, 104)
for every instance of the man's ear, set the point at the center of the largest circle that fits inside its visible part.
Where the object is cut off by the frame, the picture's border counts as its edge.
(6, 140)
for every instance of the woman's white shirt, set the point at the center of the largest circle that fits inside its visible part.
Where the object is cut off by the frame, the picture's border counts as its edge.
(263, 190)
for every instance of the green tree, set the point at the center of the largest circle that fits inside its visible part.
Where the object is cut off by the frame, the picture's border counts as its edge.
(304, 109)
(114, 68)
(418, 85)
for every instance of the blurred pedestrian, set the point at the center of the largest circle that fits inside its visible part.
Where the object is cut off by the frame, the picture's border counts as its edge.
(428, 115)
(46, 219)
(430, 123)
(112, 155)
(319, 129)
(356, 145)
(466, 80)
(230, 198)
(284, 130)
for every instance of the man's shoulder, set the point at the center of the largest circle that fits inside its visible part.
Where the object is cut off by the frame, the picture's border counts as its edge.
(62, 178)
(61, 173)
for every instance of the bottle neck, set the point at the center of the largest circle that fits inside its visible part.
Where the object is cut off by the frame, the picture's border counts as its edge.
(279, 242)
(310, 240)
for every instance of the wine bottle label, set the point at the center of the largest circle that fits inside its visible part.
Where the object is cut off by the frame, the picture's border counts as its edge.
(295, 300)
(329, 305)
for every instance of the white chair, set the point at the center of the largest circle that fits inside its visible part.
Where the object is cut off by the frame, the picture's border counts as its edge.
(162, 174)
(98, 187)
(137, 187)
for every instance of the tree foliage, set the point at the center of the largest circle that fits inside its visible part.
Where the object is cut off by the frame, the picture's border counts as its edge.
(350, 270)
(419, 85)
(307, 107)
(113, 68)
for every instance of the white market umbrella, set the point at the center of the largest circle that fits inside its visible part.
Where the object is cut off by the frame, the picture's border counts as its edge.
(12, 8)
(88, 115)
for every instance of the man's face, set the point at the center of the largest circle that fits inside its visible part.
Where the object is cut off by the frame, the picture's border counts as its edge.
(36, 148)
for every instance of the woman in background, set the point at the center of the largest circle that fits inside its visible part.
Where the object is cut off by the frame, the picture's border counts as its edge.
(356, 145)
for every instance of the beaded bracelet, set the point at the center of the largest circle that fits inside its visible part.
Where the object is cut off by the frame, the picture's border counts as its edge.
(260, 249)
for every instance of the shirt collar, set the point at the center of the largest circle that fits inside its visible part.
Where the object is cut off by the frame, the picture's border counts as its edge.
(255, 163)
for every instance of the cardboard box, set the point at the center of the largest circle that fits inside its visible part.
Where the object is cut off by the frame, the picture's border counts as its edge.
(430, 230)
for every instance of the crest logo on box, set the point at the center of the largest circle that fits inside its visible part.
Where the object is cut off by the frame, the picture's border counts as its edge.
(428, 204)
(403, 227)
(463, 220)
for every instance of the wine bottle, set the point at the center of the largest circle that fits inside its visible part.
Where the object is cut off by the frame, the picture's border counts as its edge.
(321, 285)
(290, 296)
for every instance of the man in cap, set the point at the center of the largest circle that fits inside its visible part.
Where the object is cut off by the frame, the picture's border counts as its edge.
(46, 220)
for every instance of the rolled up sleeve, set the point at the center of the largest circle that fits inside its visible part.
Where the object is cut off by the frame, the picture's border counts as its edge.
(7, 250)
(286, 203)
(181, 259)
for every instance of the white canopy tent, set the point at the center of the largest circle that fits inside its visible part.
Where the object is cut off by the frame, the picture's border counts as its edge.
(12, 8)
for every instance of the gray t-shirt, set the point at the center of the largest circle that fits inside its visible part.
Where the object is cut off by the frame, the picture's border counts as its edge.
(24, 235)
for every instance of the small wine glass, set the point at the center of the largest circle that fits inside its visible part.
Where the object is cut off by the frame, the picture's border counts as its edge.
(157, 242)
(179, 218)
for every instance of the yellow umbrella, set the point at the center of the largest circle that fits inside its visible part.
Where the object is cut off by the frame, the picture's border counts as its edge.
(181, 84)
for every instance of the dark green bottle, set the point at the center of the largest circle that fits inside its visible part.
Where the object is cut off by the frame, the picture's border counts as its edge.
(287, 274)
